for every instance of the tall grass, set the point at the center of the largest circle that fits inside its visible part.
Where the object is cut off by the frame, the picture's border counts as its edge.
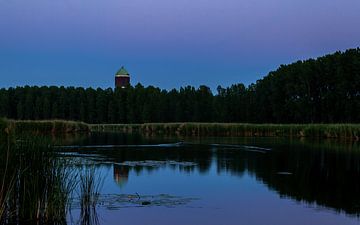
(5, 130)
(7, 181)
(90, 186)
(340, 131)
(36, 186)
(6, 185)
(3, 124)
(48, 126)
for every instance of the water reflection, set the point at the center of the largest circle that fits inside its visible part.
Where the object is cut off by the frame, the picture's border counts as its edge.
(37, 184)
(121, 175)
(321, 173)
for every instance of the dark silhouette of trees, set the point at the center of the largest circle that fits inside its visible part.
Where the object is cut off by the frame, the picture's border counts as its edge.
(322, 90)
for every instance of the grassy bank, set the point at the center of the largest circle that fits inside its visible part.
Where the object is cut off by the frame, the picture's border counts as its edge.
(46, 126)
(4, 130)
(341, 131)
(37, 186)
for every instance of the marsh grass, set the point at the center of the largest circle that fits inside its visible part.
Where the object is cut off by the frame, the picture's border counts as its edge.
(90, 186)
(48, 126)
(3, 124)
(35, 184)
(340, 131)
(6, 185)
(7, 177)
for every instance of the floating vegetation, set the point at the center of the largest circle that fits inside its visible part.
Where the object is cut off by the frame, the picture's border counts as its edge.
(115, 202)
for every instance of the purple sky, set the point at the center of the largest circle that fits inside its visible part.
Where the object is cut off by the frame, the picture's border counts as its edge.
(166, 43)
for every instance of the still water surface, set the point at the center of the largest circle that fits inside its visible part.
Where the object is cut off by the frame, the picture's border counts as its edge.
(214, 181)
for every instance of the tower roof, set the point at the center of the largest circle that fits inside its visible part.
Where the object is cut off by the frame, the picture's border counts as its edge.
(122, 72)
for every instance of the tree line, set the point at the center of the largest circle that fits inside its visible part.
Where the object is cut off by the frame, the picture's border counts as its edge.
(322, 90)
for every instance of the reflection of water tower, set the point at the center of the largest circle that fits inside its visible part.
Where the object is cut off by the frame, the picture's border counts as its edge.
(121, 175)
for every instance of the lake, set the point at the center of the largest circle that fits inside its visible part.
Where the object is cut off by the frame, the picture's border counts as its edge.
(214, 181)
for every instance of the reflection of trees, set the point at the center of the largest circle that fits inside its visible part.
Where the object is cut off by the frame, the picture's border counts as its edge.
(318, 175)
(326, 173)
(198, 154)
(326, 176)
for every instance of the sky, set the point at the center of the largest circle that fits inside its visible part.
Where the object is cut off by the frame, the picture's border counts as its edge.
(166, 43)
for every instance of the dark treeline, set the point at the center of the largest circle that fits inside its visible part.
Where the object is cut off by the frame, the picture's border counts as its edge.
(323, 90)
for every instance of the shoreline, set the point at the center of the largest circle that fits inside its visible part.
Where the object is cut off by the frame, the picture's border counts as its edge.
(334, 131)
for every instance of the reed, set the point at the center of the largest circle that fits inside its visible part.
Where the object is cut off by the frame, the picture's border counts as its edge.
(90, 187)
(48, 126)
(4, 130)
(7, 177)
(6, 184)
(37, 184)
(3, 124)
(339, 131)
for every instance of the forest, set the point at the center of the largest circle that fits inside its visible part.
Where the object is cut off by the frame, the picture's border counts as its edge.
(322, 90)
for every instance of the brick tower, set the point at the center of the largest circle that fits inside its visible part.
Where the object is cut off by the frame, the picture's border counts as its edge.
(122, 78)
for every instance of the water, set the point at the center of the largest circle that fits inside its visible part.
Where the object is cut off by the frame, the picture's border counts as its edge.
(106, 178)
(220, 180)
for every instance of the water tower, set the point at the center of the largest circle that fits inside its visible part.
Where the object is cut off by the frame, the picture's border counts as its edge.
(122, 78)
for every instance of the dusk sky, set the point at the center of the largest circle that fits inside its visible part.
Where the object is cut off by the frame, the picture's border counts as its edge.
(166, 43)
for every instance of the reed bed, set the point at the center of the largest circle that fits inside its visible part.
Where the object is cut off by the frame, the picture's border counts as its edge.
(36, 186)
(48, 126)
(3, 123)
(340, 131)
(5, 128)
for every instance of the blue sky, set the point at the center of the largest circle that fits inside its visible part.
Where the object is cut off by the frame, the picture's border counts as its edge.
(166, 43)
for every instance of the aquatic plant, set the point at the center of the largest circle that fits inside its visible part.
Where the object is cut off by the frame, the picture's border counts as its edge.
(89, 186)
(339, 131)
(7, 177)
(6, 185)
(36, 186)
(48, 126)
(3, 124)
(4, 130)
